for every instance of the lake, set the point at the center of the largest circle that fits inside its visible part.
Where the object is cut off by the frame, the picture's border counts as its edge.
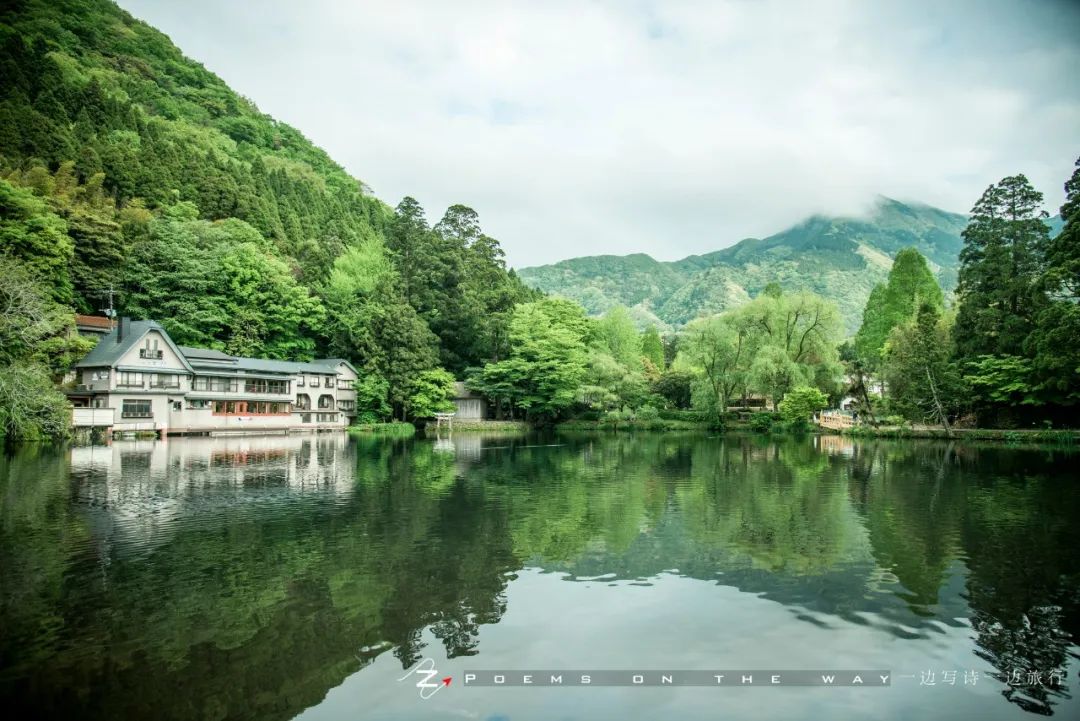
(304, 576)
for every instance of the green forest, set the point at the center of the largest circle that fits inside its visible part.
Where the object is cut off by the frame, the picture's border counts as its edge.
(130, 172)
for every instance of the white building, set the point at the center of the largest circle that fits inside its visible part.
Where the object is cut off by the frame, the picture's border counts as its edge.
(137, 379)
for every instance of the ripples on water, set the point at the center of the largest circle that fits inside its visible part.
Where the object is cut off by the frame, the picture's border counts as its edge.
(265, 577)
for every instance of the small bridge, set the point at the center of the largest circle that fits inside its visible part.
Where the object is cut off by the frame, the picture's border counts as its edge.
(835, 420)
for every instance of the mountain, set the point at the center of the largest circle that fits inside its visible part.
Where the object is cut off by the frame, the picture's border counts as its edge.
(130, 173)
(839, 258)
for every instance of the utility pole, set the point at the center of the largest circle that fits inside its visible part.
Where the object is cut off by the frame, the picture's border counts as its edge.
(110, 312)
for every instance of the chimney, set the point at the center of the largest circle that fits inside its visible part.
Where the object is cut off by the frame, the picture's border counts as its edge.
(121, 327)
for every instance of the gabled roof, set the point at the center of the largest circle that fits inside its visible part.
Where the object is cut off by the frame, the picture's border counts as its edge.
(108, 352)
(332, 362)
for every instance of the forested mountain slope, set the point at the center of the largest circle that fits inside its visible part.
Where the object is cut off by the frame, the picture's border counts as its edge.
(839, 258)
(127, 167)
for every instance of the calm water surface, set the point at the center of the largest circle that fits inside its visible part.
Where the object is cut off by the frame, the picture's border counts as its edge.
(277, 577)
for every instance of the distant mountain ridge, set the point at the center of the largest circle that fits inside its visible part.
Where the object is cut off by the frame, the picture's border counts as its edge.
(839, 258)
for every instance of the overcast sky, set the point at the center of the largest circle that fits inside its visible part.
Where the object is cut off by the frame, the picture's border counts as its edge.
(578, 128)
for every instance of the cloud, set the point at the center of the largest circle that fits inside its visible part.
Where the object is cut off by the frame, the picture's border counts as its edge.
(668, 128)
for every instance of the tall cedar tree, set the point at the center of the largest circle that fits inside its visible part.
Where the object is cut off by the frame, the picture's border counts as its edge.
(1001, 270)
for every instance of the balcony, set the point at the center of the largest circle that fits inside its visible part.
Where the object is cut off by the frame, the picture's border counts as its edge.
(137, 414)
(92, 417)
(130, 384)
(174, 385)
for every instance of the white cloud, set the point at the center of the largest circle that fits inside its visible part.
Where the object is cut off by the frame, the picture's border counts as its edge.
(669, 128)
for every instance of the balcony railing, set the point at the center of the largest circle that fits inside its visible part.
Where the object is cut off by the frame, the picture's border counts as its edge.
(137, 414)
(255, 388)
(165, 384)
(130, 384)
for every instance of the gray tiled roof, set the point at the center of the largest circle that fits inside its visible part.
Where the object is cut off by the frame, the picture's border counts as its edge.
(204, 354)
(108, 352)
(277, 366)
(334, 362)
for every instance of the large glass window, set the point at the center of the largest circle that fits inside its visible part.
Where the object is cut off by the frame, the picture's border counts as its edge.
(127, 379)
(215, 383)
(162, 380)
(326, 401)
(136, 409)
(303, 402)
(260, 385)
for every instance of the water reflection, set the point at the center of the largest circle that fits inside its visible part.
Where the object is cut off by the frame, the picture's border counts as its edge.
(246, 577)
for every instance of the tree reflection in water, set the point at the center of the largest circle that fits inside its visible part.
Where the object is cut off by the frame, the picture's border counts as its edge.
(243, 578)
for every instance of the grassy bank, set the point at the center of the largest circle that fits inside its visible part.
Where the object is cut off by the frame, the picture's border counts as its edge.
(498, 426)
(395, 428)
(1066, 437)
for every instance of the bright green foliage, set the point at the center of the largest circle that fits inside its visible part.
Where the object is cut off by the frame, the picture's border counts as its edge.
(372, 391)
(801, 403)
(1005, 380)
(794, 339)
(1000, 267)
(652, 347)
(911, 283)
(219, 285)
(922, 380)
(547, 361)
(36, 338)
(125, 166)
(617, 336)
(31, 409)
(766, 347)
(37, 238)
(430, 392)
(719, 350)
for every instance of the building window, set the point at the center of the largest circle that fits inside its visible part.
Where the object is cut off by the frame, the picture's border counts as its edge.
(306, 418)
(151, 350)
(164, 381)
(326, 401)
(300, 382)
(303, 402)
(258, 385)
(213, 383)
(315, 382)
(136, 409)
(346, 405)
(199, 405)
(326, 417)
(126, 379)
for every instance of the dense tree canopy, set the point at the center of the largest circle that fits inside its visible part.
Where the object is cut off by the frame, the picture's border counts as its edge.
(911, 283)
(128, 172)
